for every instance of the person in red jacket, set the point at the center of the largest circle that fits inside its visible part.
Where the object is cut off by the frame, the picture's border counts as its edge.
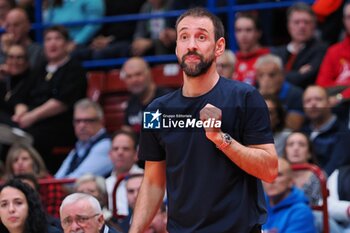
(247, 34)
(334, 72)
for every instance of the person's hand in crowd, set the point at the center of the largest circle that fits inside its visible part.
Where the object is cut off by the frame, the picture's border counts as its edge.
(305, 68)
(26, 120)
(101, 42)
(140, 46)
(20, 110)
(168, 37)
(7, 39)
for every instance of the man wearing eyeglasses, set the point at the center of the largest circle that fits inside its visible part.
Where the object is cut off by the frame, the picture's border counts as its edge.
(81, 212)
(91, 150)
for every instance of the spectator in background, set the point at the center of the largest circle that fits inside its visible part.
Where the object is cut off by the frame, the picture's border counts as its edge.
(95, 186)
(20, 201)
(29, 7)
(271, 81)
(159, 222)
(114, 39)
(17, 27)
(287, 206)
(59, 11)
(81, 212)
(225, 64)
(247, 32)
(132, 184)
(335, 68)
(124, 156)
(24, 159)
(32, 181)
(329, 136)
(46, 100)
(91, 150)
(5, 7)
(146, 37)
(278, 122)
(339, 197)
(299, 150)
(12, 75)
(303, 55)
(137, 76)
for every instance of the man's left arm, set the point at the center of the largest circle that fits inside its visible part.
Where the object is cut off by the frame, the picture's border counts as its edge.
(257, 160)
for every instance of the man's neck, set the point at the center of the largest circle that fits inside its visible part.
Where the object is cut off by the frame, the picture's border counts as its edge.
(58, 62)
(317, 124)
(197, 86)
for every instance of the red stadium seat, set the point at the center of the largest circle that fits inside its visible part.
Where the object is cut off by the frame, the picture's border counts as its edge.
(95, 84)
(168, 75)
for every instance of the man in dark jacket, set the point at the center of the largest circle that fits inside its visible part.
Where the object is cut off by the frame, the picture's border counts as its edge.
(303, 55)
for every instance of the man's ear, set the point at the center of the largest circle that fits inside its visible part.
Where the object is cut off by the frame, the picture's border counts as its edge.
(220, 47)
(101, 221)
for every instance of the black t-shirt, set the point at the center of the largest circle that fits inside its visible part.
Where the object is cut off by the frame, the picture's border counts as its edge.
(133, 112)
(206, 191)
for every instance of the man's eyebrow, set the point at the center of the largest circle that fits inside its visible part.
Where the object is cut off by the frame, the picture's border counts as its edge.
(200, 29)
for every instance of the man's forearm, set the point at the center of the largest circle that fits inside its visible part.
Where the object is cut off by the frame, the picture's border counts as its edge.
(50, 108)
(257, 160)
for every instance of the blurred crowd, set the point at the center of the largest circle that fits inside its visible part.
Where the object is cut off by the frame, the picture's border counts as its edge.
(298, 58)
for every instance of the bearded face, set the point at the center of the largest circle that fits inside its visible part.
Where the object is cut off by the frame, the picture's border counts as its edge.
(194, 69)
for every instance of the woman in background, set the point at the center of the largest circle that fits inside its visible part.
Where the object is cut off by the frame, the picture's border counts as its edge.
(21, 210)
(24, 159)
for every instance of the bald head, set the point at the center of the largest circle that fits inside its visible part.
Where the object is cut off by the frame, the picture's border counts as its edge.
(17, 24)
(136, 75)
(316, 105)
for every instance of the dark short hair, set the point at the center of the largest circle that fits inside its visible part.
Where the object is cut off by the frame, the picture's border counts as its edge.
(58, 28)
(301, 6)
(36, 220)
(201, 12)
(250, 16)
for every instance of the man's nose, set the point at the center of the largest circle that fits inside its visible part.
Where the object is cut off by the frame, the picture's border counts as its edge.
(192, 43)
(75, 226)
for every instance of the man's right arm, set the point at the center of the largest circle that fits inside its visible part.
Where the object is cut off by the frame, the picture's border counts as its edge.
(150, 196)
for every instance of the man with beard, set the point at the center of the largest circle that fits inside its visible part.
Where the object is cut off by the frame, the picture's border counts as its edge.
(138, 79)
(209, 143)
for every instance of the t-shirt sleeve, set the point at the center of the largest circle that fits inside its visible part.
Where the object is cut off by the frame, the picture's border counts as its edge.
(151, 148)
(257, 129)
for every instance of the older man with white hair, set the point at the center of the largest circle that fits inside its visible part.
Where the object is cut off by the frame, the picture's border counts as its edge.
(80, 212)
